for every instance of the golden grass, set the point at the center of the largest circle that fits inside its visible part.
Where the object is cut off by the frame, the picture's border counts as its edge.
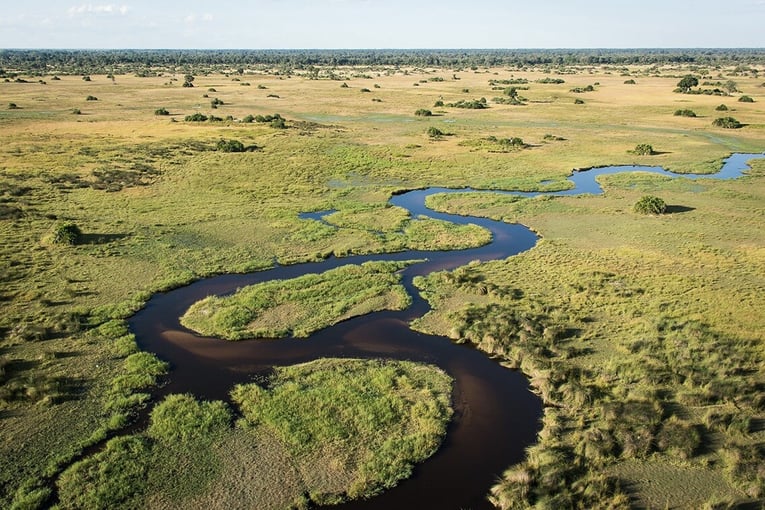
(201, 212)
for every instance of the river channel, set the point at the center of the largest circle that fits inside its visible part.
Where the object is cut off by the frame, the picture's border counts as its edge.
(496, 414)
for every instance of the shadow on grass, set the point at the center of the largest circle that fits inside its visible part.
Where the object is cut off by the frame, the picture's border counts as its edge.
(100, 238)
(677, 209)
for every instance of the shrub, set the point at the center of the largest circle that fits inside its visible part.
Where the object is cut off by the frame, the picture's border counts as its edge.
(727, 123)
(745, 99)
(630, 82)
(344, 86)
(422, 112)
(438, 104)
(161, 111)
(248, 119)
(365, 90)
(66, 233)
(211, 89)
(86, 78)
(216, 102)
(649, 204)
(91, 98)
(643, 149)
(722, 108)
(685, 113)
(434, 132)
(578, 101)
(197, 117)
(12, 106)
(262, 87)
(230, 146)
(687, 83)
(76, 111)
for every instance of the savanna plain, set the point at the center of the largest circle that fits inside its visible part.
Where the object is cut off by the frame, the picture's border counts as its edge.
(643, 334)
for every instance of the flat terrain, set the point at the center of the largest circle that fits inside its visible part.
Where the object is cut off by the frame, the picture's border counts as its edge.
(655, 318)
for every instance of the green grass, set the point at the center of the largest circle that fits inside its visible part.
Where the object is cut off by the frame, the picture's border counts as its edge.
(643, 335)
(348, 429)
(369, 420)
(302, 305)
(158, 208)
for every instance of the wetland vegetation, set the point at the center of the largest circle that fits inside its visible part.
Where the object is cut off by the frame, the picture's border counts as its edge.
(643, 334)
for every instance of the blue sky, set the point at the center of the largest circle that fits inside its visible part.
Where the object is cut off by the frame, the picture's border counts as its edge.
(383, 24)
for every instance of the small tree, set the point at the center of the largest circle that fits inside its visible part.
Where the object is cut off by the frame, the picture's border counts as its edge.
(649, 204)
(687, 83)
(434, 132)
(230, 146)
(66, 233)
(727, 123)
(643, 149)
(188, 80)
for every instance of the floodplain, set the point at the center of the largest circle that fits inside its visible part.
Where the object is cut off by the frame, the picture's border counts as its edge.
(642, 334)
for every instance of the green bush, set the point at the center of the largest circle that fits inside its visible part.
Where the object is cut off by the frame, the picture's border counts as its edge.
(422, 112)
(578, 101)
(91, 98)
(745, 99)
(230, 146)
(66, 233)
(197, 117)
(13, 106)
(649, 204)
(434, 132)
(727, 123)
(161, 111)
(438, 104)
(630, 82)
(722, 108)
(643, 149)
(685, 113)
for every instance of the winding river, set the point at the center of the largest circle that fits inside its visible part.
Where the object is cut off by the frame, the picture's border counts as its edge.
(496, 416)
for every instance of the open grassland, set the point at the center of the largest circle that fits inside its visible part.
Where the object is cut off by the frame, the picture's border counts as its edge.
(159, 206)
(642, 334)
(364, 422)
(302, 305)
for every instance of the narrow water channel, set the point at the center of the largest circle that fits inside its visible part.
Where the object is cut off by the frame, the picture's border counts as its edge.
(496, 415)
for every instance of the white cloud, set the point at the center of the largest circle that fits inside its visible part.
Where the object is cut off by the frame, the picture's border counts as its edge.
(82, 9)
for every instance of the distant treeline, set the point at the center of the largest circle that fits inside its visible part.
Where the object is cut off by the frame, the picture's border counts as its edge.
(97, 61)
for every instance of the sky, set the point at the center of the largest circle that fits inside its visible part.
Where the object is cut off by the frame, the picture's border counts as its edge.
(341, 24)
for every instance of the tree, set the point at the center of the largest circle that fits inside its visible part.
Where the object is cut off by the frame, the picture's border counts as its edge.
(434, 132)
(727, 123)
(66, 233)
(188, 80)
(230, 146)
(687, 83)
(643, 149)
(650, 204)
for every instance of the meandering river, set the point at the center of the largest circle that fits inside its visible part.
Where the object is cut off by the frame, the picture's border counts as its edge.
(496, 415)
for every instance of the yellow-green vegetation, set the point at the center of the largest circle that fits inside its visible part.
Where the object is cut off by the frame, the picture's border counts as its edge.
(642, 334)
(158, 206)
(320, 432)
(302, 305)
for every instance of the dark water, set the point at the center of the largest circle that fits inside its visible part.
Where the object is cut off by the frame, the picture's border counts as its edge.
(496, 416)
